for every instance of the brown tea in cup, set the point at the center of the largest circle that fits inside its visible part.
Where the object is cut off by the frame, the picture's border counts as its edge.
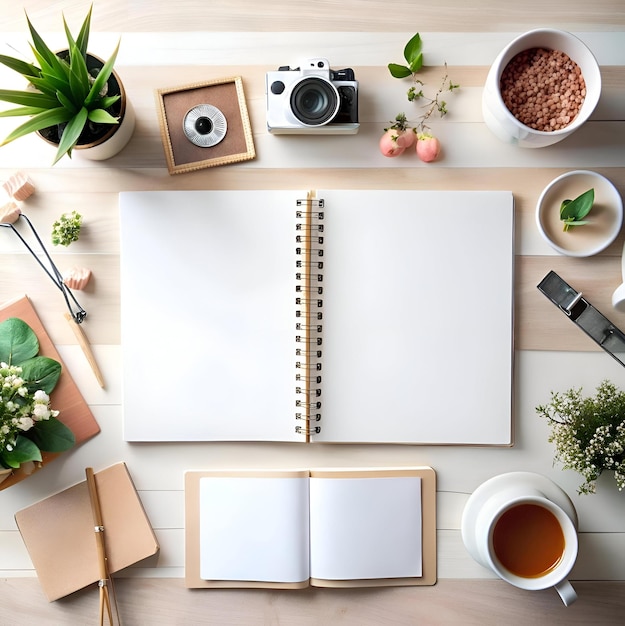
(528, 540)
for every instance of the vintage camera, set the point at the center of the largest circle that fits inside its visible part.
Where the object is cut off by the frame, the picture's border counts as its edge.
(312, 99)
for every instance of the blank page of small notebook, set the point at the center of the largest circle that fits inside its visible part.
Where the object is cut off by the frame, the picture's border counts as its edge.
(254, 529)
(365, 528)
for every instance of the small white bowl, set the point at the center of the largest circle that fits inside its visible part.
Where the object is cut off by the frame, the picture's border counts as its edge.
(605, 218)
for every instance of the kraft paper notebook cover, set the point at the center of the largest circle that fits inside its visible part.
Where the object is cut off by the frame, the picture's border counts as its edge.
(352, 316)
(59, 532)
(349, 527)
(66, 397)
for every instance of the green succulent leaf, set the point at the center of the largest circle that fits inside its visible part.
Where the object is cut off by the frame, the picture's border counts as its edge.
(78, 76)
(82, 41)
(47, 118)
(43, 84)
(23, 451)
(28, 98)
(44, 52)
(71, 133)
(100, 116)
(52, 436)
(21, 111)
(60, 69)
(18, 341)
(102, 78)
(108, 101)
(66, 102)
(399, 71)
(25, 69)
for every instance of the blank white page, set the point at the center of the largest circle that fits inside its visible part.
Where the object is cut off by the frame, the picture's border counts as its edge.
(207, 315)
(418, 317)
(254, 529)
(365, 528)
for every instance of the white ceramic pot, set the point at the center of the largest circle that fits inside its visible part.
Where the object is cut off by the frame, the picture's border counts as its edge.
(503, 123)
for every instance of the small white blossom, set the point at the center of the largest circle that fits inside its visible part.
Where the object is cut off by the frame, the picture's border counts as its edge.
(41, 396)
(25, 423)
(40, 412)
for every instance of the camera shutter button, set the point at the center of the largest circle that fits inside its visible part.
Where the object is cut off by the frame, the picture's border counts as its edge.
(277, 87)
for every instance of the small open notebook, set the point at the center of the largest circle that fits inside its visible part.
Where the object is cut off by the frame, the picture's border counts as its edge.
(299, 528)
(329, 316)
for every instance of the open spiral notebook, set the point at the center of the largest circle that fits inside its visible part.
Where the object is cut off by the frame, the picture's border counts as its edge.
(331, 316)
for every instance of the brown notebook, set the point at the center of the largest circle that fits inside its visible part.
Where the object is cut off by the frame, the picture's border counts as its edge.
(60, 538)
(299, 528)
(66, 397)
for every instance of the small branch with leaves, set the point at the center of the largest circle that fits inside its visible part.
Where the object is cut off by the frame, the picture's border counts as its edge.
(403, 133)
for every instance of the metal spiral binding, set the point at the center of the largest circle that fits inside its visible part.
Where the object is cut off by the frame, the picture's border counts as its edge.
(309, 251)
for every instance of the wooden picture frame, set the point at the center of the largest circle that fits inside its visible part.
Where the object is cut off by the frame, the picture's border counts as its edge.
(226, 94)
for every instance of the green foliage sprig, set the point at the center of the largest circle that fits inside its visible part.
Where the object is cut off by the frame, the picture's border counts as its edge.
(589, 433)
(63, 92)
(573, 212)
(27, 423)
(66, 229)
(413, 55)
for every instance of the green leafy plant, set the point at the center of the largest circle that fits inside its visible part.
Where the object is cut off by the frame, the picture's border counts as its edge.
(413, 55)
(427, 146)
(66, 229)
(573, 212)
(62, 91)
(27, 423)
(589, 433)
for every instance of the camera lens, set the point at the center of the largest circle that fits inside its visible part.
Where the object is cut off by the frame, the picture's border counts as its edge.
(203, 125)
(314, 101)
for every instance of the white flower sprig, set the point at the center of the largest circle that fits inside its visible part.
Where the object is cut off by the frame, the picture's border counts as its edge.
(589, 433)
(20, 409)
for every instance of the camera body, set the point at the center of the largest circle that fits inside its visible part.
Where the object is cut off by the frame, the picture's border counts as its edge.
(312, 99)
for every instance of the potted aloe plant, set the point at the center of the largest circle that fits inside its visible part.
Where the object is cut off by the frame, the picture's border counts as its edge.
(73, 99)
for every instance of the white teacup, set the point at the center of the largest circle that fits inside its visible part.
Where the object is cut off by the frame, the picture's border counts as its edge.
(524, 535)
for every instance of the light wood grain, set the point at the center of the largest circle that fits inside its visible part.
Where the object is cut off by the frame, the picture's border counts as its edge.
(166, 602)
(332, 15)
(169, 44)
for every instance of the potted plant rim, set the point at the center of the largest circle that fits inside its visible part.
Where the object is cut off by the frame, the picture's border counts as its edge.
(73, 99)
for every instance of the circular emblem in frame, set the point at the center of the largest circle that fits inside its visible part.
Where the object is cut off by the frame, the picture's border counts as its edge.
(205, 125)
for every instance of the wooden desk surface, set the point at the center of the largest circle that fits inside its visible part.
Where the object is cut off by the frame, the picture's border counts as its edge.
(173, 44)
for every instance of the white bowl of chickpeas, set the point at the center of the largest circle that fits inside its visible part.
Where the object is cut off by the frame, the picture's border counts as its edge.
(541, 88)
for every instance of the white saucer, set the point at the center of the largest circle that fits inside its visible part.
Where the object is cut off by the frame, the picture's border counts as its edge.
(494, 486)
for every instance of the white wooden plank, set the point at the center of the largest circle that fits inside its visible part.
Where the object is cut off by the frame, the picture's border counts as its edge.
(287, 48)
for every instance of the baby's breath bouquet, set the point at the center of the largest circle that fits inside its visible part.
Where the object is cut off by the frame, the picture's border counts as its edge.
(589, 433)
(28, 424)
